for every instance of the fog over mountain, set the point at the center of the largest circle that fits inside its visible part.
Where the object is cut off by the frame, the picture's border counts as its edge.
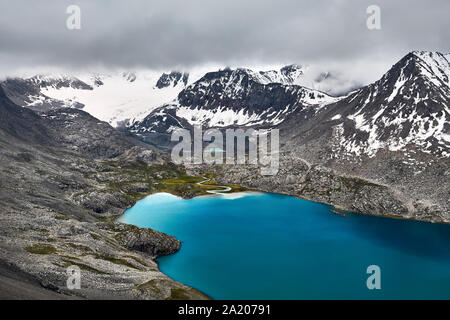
(178, 34)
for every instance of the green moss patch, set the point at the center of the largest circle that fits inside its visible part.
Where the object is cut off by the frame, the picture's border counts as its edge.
(82, 266)
(118, 261)
(178, 294)
(41, 249)
(62, 217)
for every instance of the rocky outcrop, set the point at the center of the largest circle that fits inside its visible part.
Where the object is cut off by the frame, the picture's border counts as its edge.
(149, 241)
(141, 154)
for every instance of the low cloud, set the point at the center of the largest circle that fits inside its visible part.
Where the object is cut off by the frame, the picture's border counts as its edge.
(178, 34)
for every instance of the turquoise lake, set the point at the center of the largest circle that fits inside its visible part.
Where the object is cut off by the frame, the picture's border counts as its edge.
(270, 246)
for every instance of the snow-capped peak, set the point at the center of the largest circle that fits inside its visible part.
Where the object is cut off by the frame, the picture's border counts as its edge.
(58, 81)
(435, 66)
(172, 79)
(287, 75)
(447, 56)
(408, 106)
(239, 97)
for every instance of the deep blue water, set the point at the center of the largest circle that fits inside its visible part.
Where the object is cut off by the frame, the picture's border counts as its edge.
(270, 246)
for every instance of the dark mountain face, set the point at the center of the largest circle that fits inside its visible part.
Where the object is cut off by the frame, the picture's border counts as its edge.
(129, 76)
(59, 82)
(20, 123)
(66, 127)
(161, 120)
(27, 92)
(291, 72)
(240, 90)
(79, 131)
(172, 79)
(157, 127)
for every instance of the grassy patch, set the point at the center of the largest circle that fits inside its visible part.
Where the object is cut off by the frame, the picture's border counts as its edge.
(80, 247)
(69, 258)
(356, 184)
(185, 294)
(178, 294)
(183, 179)
(40, 249)
(151, 285)
(82, 266)
(236, 188)
(95, 236)
(62, 217)
(140, 261)
(155, 286)
(118, 261)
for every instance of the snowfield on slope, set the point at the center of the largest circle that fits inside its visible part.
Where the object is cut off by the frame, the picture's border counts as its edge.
(118, 100)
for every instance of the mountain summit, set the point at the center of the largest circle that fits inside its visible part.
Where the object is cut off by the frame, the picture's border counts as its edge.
(407, 108)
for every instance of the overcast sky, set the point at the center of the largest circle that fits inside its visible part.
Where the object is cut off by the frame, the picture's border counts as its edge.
(181, 34)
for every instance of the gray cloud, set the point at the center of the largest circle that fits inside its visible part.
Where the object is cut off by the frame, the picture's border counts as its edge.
(181, 34)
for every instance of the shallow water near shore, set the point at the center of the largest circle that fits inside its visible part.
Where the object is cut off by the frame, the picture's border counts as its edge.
(269, 246)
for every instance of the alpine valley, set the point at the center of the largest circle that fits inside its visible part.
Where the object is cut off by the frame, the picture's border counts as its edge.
(76, 150)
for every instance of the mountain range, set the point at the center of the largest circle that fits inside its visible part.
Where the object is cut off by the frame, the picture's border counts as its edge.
(394, 132)
(121, 97)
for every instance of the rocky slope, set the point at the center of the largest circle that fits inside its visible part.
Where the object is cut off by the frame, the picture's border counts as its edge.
(64, 177)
